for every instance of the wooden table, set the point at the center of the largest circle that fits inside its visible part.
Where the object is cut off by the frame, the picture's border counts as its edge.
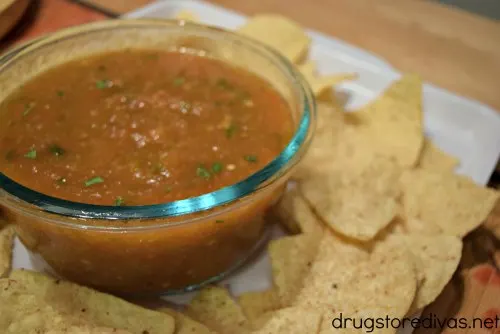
(448, 47)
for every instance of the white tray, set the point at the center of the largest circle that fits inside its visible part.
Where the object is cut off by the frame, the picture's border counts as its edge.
(464, 128)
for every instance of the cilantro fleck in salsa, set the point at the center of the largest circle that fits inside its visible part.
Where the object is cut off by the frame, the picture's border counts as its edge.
(140, 127)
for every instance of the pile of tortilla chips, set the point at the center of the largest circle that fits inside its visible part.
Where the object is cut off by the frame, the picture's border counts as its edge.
(375, 222)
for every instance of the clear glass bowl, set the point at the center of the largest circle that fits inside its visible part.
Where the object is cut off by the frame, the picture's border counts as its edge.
(169, 247)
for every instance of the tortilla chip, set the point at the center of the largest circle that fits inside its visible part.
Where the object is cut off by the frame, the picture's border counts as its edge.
(186, 15)
(291, 258)
(355, 212)
(22, 312)
(393, 122)
(186, 325)
(453, 202)
(437, 259)
(385, 283)
(296, 216)
(432, 157)
(280, 33)
(215, 308)
(291, 320)
(257, 303)
(6, 240)
(357, 206)
(320, 84)
(89, 306)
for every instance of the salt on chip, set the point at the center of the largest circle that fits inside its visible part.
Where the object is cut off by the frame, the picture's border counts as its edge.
(453, 202)
(385, 283)
(257, 303)
(214, 307)
(291, 259)
(432, 157)
(186, 325)
(7, 234)
(291, 320)
(280, 33)
(94, 307)
(394, 121)
(321, 83)
(437, 259)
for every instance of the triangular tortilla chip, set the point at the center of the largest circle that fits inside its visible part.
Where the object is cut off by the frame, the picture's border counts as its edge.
(453, 202)
(437, 258)
(385, 283)
(93, 307)
(357, 206)
(394, 121)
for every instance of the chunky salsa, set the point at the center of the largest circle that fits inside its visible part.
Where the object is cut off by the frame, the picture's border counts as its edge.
(140, 127)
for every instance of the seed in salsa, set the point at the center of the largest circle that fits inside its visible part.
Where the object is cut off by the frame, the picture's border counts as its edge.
(140, 127)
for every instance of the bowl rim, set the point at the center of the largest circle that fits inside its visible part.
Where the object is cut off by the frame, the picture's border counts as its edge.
(15, 194)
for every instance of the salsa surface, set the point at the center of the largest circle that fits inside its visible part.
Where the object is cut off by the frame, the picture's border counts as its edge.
(140, 127)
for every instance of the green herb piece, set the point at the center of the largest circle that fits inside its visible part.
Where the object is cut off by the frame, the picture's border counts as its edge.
(28, 107)
(203, 172)
(250, 158)
(31, 154)
(119, 201)
(224, 84)
(159, 168)
(179, 81)
(10, 155)
(60, 93)
(168, 189)
(102, 84)
(217, 167)
(61, 180)
(56, 150)
(94, 180)
(230, 130)
(218, 221)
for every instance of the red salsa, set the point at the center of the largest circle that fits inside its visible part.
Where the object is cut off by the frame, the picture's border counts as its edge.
(140, 127)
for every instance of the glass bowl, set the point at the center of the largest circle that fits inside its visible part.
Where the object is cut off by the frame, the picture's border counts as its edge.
(163, 248)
